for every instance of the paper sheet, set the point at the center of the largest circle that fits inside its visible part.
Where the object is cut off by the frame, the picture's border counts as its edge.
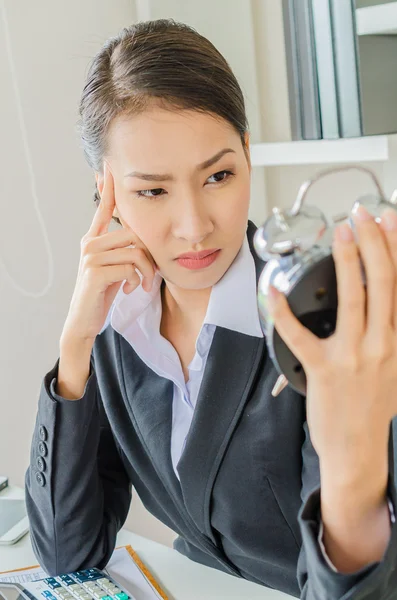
(121, 567)
(21, 576)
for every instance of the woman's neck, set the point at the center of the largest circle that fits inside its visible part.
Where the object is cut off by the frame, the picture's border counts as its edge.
(185, 308)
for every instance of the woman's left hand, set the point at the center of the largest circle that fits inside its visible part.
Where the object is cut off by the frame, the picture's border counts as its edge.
(352, 375)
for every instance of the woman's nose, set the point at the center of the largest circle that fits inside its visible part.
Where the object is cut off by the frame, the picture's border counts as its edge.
(192, 222)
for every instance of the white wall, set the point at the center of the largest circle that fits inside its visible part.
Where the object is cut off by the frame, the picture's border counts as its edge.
(42, 166)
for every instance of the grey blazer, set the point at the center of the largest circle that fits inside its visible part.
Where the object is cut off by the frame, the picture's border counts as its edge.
(248, 499)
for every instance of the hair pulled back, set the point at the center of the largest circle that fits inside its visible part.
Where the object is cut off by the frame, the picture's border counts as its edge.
(163, 61)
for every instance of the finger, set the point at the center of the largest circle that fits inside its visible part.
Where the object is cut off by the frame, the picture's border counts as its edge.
(121, 238)
(139, 244)
(300, 340)
(380, 277)
(110, 274)
(132, 256)
(388, 226)
(350, 321)
(104, 211)
(102, 249)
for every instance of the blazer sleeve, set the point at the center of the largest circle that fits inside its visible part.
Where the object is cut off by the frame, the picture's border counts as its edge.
(376, 581)
(77, 490)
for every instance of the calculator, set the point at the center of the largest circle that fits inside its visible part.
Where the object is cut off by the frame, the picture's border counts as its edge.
(90, 584)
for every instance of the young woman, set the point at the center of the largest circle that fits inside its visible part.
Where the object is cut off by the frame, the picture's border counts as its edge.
(163, 383)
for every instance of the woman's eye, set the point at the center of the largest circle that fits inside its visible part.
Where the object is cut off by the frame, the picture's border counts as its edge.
(143, 192)
(221, 179)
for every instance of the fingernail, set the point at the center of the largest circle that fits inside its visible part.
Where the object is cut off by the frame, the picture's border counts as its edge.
(362, 214)
(343, 233)
(389, 219)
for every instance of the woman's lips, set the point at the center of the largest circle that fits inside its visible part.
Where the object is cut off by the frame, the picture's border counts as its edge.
(198, 255)
(198, 263)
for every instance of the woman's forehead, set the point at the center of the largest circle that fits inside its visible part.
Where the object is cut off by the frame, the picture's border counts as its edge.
(162, 137)
(176, 121)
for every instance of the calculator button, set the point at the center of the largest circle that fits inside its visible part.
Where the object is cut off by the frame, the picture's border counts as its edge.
(52, 583)
(89, 586)
(75, 587)
(61, 592)
(67, 580)
(98, 593)
(80, 577)
(81, 592)
(94, 573)
(122, 596)
(105, 583)
(107, 598)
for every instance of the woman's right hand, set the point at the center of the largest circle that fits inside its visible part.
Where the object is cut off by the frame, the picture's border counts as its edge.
(105, 261)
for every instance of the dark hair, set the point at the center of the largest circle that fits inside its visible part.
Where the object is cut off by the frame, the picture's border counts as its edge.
(163, 60)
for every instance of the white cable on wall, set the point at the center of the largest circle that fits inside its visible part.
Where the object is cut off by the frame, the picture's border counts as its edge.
(27, 153)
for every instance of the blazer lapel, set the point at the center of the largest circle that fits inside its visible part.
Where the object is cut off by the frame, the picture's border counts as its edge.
(232, 364)
(230, 371)
(150, 407)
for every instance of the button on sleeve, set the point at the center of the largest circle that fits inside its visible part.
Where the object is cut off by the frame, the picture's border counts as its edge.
(42, 448)
(43, 433)
(40, 478)
(41, 464)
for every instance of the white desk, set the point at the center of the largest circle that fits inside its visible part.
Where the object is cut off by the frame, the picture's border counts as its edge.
(182, 578)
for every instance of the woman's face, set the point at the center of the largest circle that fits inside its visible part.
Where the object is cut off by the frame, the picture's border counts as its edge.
(173, 201)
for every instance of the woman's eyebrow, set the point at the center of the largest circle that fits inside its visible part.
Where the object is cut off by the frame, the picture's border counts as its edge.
(166, 177)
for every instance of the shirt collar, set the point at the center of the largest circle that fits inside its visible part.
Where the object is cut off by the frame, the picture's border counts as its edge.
(233, 300)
